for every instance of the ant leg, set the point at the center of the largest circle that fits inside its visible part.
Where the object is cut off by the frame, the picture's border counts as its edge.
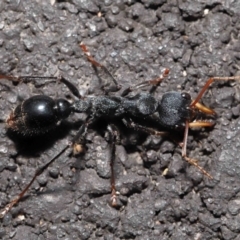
(137, 127)
(208, 83)
(75, 141)
(26, 79)
(79, 138)
(70, 86)
(96, 64)
(17, 79)
(154, 83)
(114, 138)
(38, 172)
(130, 124)
(184, 152)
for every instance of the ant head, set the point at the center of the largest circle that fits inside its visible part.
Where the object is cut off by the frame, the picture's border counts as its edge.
(174, 109)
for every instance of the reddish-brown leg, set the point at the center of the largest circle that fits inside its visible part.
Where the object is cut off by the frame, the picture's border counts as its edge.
(80, 135)
(208, 83)
(202, 108)
(26, 79)
(154, 83)
(39, 171)
(130, 124)
(184, 145)
(114, 136)
(97, 64)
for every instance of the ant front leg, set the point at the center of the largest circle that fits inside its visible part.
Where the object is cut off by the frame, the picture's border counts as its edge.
(151, 131)
(195, 104)
(130, 124)
(206, 86)
(95, 65)
(184, 145)
(154, 83)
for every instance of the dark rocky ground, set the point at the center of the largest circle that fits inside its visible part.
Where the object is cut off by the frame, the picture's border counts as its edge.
(136, 40)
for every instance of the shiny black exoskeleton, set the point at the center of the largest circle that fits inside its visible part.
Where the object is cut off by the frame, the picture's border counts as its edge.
(38, 114)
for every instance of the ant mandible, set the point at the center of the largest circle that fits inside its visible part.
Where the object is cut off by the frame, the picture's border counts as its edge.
(175, 111)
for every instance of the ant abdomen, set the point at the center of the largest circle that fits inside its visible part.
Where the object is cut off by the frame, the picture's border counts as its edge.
(37, 115)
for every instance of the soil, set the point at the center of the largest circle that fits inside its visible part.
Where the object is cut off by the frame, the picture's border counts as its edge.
(161, 195)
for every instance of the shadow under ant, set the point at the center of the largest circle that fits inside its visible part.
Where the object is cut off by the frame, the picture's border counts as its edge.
(33, 146)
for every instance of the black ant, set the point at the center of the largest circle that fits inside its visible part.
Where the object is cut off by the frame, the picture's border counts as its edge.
(175, 111)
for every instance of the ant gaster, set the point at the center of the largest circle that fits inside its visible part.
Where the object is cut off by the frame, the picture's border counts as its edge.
(175, 111)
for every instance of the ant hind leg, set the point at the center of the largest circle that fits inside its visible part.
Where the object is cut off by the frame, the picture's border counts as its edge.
(38, 172)
(17, 79)
(76, 141)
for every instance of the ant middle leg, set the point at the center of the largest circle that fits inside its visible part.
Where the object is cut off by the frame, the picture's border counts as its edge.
(113, 140)
(154, 83)
(76, 141)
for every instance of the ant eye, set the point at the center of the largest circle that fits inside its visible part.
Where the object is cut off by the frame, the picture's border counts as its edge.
(186, 96)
